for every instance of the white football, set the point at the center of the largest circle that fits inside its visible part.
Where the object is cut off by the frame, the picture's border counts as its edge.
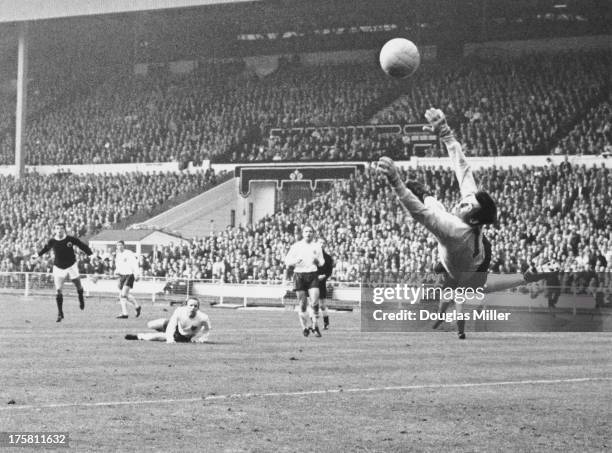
(399, 58)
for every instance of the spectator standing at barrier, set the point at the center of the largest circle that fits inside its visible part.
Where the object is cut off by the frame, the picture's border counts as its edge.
(218, 269)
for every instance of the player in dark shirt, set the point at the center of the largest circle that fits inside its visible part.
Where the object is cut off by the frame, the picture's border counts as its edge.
(324, 272)
(553, 290)
(65, 264)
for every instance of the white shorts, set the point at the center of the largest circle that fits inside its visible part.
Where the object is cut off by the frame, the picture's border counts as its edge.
(71, 272)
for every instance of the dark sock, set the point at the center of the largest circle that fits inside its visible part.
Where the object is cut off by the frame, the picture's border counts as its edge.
(461, 327)
(59, 300)
(81, 298)
(444, 307)
(326, 320)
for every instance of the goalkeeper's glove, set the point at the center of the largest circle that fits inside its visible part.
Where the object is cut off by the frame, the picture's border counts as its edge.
(387, 167)
(437, 123)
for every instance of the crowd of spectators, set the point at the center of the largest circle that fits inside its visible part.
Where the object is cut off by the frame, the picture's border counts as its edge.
(30, 206)
(40, 96)
(219, 110)
(331, 144)
(561, 213)
(222, 112)
(592, 135)
(558, 212)
(502, 106)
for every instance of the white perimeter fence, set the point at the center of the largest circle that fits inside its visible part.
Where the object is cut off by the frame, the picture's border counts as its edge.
(343, 295)
(175, 290)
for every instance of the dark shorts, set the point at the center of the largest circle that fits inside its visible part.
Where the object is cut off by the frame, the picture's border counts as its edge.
(126, 280)
(178, 337)
(305, 281)
(323, 289)
(552, 294)
(475, 280)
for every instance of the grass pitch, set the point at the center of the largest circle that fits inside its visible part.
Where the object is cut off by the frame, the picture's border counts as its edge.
(261, 386)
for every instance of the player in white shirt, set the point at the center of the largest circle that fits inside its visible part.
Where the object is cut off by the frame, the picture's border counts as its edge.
(128, 270)
(305, 257)
(186, 325)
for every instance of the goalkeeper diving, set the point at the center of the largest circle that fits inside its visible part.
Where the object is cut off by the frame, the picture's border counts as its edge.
(463, 249)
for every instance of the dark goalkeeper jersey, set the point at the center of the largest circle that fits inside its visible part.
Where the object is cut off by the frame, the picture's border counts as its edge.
(64, 250)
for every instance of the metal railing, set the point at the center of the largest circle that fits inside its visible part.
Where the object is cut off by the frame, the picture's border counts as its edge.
(277, 292)
(172, 289)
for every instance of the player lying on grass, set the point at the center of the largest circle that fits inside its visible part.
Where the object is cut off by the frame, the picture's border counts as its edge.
(463, 249)
(65, 264)
(186, 325)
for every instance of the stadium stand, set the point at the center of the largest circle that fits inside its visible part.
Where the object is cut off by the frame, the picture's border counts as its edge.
(506, 106)
(221, 112)
(591, 135)
(558, 212)
(86, 203)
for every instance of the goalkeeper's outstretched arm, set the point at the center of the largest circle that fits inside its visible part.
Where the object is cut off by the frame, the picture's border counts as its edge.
(463, 171)
(441, 223)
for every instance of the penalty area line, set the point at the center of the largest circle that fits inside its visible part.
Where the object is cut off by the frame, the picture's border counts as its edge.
(246, 395)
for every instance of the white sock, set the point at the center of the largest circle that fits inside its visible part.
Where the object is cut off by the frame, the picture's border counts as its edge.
(151, 336)
(133, 301)
(123, 302)
(303, 319)
(314, 316)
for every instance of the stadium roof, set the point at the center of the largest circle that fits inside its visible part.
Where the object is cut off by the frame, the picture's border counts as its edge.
(25, 10)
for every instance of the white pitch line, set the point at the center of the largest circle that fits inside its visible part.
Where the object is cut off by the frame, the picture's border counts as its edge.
(235, 396)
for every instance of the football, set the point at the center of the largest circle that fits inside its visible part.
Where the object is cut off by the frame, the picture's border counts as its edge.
(399, 58)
